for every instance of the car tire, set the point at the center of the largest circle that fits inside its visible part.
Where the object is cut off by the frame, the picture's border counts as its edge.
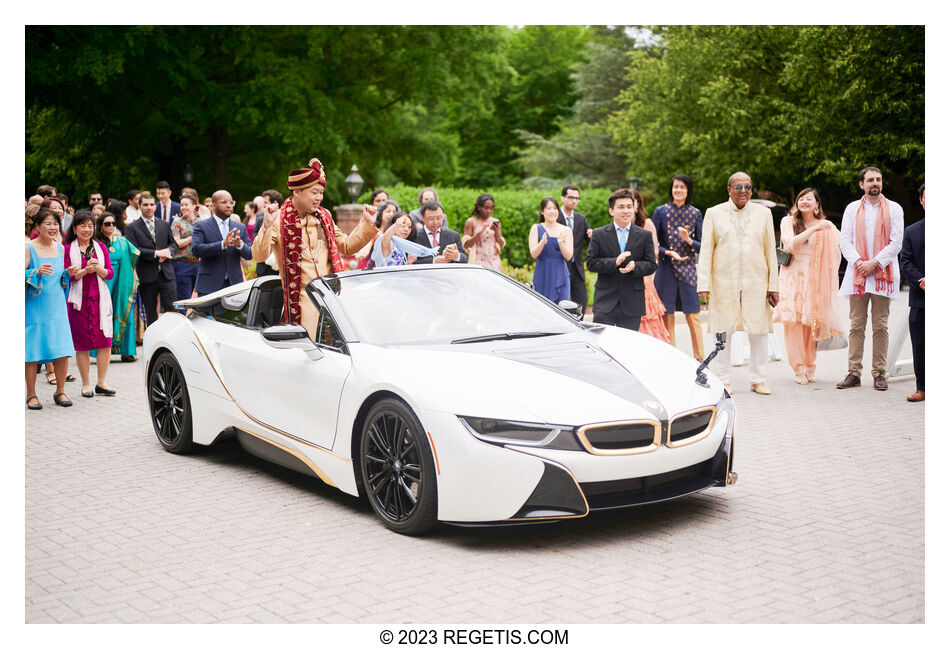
(169, 404)
(397, 468)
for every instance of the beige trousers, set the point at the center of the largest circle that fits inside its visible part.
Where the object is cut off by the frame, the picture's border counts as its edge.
(695, 332)
(880, 310)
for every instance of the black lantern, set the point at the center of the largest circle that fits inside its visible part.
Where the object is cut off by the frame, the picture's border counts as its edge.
(633, 183)
(188, 174)
(354, 184)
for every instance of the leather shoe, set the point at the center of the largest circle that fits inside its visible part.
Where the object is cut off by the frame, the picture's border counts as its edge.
(880, 383)
(64, 402)
(917, 396)
(106, 392)
(850, 381)
(39, 406)
(128, 359)
(88, 395)
(759, 388)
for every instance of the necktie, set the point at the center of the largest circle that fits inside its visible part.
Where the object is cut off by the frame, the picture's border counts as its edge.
(151, 227)
(435, 239)
(570, 222)
(623, 238)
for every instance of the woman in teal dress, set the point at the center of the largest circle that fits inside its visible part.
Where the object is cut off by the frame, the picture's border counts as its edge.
(122, 286)
(48, 338)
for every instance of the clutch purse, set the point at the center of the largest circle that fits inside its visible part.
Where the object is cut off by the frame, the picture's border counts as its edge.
(784, 257)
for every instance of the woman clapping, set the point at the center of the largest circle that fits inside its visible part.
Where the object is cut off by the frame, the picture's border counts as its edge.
(88, 303)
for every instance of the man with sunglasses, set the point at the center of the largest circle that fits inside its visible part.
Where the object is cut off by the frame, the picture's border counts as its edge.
(738, 273)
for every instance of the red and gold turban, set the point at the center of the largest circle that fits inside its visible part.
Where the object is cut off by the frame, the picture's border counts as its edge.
(308, 176)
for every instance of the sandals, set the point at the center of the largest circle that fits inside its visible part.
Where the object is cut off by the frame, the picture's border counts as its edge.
(64, 402)
(38, 406)
(51, 378)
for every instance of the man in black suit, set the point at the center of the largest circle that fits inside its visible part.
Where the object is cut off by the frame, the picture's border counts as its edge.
(220, 243)
(912, 268)
(436, 235)
(622, 255)
(153, 237)
(577, 222)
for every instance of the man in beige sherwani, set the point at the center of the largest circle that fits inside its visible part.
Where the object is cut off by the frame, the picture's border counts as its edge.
(306, 242)
(738, 271)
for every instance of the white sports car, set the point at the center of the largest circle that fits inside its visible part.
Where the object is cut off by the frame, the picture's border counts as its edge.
(441, 393)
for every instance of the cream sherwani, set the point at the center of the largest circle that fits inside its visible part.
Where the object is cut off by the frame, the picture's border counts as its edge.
(737, 266)
(315, 256)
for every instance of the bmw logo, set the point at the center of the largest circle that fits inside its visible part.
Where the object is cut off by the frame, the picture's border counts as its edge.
(652, 405)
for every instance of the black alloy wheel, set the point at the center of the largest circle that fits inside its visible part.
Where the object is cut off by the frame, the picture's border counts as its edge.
(169, 404)
(397, 468)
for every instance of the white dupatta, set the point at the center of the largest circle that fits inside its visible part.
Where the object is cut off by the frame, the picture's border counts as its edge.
(75, 287)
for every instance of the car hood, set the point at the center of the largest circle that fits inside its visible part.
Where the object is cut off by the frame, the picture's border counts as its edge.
(592, 376)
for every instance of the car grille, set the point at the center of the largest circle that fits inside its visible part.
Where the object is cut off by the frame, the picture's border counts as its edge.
(623, 438)
(690, 427)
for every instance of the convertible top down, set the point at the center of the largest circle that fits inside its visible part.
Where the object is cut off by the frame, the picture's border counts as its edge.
(441, 393)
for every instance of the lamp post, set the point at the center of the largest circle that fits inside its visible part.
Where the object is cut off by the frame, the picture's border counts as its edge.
(188, 174)
(354, 184)
(633, 183)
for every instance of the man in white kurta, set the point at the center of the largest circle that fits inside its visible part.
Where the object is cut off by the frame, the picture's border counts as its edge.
(738, 271)
(876, 291)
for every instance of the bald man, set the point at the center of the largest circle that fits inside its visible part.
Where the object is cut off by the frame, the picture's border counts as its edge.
(219, 243)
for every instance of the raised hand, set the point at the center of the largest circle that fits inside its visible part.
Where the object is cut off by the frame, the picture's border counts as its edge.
(369, 213)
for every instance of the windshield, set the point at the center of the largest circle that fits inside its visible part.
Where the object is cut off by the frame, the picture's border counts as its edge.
(441, 305)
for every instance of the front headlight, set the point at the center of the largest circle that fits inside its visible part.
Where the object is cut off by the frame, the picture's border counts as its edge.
(519, 433)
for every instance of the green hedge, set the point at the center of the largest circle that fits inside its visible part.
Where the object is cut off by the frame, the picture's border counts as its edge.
(517, 209)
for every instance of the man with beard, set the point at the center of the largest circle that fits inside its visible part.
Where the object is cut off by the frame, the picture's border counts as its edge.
(219, 243)
(872, 230)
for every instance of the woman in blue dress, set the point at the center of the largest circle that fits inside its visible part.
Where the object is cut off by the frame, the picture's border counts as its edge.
(679, 230)
(47, 335)
(552, 244)
(393, 248)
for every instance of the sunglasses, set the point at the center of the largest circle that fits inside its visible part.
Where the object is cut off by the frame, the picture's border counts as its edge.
(104, 223)
(742, 188)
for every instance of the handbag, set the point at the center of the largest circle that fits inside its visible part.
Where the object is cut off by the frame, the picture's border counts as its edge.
(837, 341)
(784, 257)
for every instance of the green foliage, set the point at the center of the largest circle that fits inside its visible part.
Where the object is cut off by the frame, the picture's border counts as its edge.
(789, 105)
(517, 209)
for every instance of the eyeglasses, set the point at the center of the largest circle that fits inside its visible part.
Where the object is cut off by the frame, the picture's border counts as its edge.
(742, 188)
(105, 223)
(573, 198)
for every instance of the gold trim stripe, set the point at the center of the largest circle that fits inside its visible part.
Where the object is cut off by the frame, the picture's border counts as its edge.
(310, 465)
(698, 436)
(248, 415)
(432, 446)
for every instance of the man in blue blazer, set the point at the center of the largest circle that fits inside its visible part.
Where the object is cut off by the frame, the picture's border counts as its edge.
(622, 255)
(912, 268)
(219, 243)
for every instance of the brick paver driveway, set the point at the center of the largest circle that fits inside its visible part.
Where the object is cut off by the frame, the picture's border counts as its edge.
(826, 524)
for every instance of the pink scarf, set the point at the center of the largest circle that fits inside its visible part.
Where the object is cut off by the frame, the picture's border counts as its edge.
(884, 277)
(291, 241)
(819, 310)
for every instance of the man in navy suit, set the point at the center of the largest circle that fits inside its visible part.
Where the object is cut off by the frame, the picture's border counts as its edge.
(577, 222)
(166, 209)
(435, 235)
(912, 268)
(622, 255)
(219, 243)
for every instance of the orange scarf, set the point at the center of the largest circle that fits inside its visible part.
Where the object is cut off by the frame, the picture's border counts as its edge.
(819, 310)
(884, 277)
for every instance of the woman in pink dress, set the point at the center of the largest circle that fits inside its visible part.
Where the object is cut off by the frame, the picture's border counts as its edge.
(88, 302)
(808, 286)
(652, 323)
(481, 237)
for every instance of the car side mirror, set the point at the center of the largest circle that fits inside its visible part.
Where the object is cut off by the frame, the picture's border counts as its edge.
(573, 308)
(291, 336)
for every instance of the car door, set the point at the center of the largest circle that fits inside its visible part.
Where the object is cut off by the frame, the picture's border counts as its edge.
(285, 389)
